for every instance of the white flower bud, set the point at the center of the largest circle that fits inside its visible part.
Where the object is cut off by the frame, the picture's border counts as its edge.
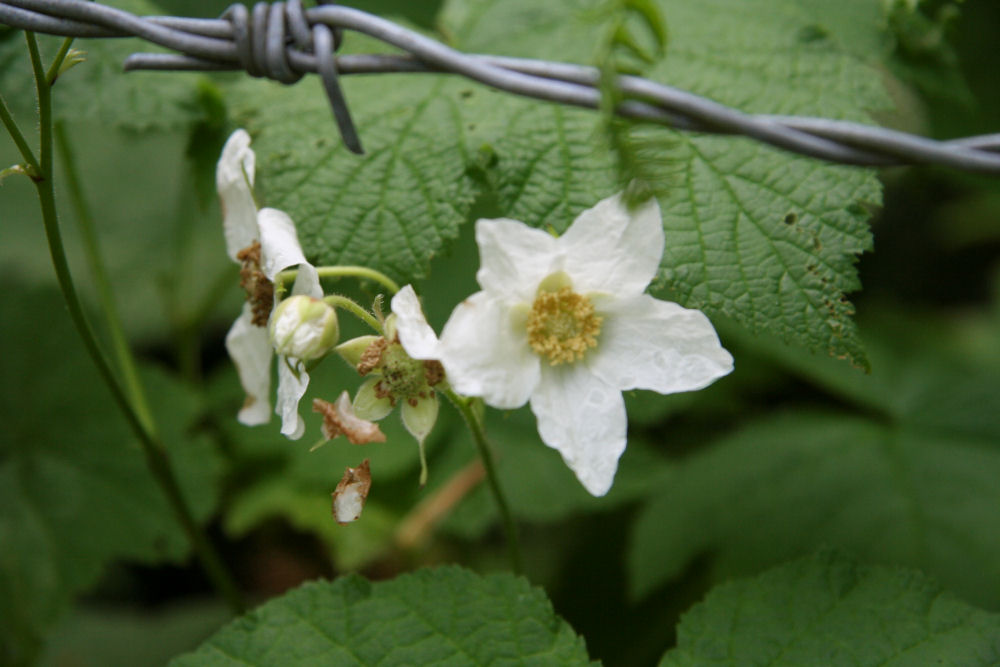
(304, 328)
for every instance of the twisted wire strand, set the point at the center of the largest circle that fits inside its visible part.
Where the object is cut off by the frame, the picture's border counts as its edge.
(283, 41)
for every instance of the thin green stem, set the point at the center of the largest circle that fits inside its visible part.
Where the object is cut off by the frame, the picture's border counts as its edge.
(338, 301)
(15, 134)
(53, 72)
(474, 421)
(119, 344)
(153, 448)
(44, 94)
(347, 271)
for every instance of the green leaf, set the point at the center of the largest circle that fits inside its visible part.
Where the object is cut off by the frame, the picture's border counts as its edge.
(430, 143)
(827, 610)
(752, 233)
(909, 478)
(445, 616)
(649, 12)
(98, 89)
(74, 485)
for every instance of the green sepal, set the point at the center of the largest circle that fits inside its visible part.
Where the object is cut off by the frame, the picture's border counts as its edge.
(352, 350)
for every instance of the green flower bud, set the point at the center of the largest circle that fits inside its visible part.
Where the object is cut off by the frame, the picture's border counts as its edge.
(304, 328)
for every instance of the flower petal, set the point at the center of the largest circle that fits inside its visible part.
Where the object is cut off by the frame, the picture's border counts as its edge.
(339, 419)
(234, 176)
(583, 418)
(250, 350)
(514, 258)
(611, 249)
(646, 343)
(279, 243)
(351, 493)
(291, 389)
(415, 335)
(484, 350)
(307, 282)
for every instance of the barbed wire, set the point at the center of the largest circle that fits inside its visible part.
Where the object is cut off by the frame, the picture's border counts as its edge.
(283, 41)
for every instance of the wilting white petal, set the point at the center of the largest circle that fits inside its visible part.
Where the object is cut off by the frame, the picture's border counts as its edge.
(514, 258)
(415, 335)
(351, 493)
(291, 389)
(651, 344)
(611, 249)
(583, 418)
(484, 350)
(234, 176)
(250, 350)
(279, 244)
(339, 419)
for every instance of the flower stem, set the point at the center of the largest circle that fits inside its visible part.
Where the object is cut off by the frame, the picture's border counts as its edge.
(154, 450)
(474, 421)
(338, 301)
(345, 271)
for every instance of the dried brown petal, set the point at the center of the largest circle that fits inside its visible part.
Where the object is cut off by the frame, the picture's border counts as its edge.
(351, 493)
(339, 419)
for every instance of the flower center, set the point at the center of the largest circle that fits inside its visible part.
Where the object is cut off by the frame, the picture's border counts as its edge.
(260, 290)
(562, 325)
(402, 377)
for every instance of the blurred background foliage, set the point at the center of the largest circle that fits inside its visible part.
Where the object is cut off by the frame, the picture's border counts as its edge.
(790, 453)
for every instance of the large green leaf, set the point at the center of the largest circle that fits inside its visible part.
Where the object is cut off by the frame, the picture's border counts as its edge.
(909, 478)
(430, 142)
(754, 233)
(446, 616)
(826, 610)
(74, 486)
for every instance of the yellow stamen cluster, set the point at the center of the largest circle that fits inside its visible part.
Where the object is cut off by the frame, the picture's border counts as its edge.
(562, 326)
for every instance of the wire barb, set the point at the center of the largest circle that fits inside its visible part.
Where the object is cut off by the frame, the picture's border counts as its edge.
(283, 41)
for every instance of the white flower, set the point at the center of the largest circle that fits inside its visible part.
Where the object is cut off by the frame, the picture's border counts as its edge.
(264, 242)
(564, 322)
